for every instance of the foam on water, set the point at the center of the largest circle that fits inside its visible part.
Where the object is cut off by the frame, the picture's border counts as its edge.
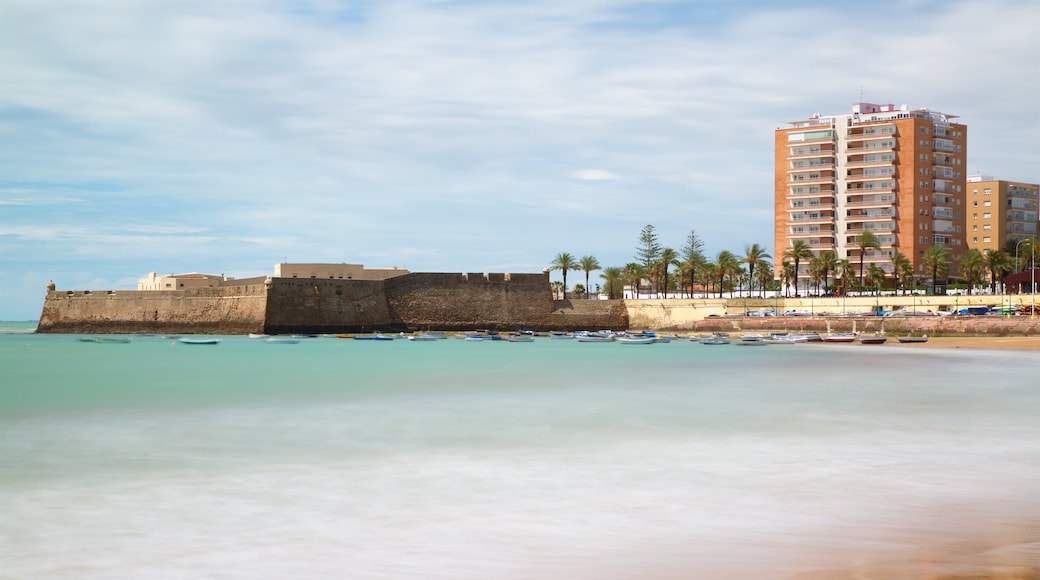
(553, 459)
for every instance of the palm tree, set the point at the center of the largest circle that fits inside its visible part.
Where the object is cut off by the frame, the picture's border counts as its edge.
(828, 261)
(563, 262)
(937, 259)
(973, 264)
(634, 273)
(765, 275)
(614, 278)
(876, 277)
(787, 276)
(998, 262)
(588, 264)
(902, 268)
(724, 265)
(865, 240)
(557, 288)
(844, 272)
(754, 255)
(798, 251)
(669, 257)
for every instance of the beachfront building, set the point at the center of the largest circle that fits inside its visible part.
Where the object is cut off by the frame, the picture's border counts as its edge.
(336, 271)
(1001, 212)
(896, 172)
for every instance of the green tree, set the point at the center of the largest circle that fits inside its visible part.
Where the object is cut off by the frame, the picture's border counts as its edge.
(754, 255)
(669, 257)
(844, 275)
(693, 258)
(998, 262)
(614, 279)
(649, 250)
(564, 262)
(866, 240)
(903, 270)
(634, 273)
(828, 262)
(724, 265)
(798, 251)
(876, 278)
(588, 264)
(973, 265)
(787, 276)
(937, 259)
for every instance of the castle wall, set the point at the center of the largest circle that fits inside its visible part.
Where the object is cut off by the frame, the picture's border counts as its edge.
(314, 305)
(229, 310)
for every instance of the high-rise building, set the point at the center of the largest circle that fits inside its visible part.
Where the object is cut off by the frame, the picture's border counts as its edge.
(1000, 211)
(895, 172)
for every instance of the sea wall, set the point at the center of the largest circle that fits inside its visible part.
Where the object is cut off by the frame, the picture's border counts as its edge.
(227, 310)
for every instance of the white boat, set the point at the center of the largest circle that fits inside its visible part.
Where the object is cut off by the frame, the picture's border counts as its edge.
(424, 337)
(594, 338)
(785, 339)
(905, 339)
(559, 335)
(519, 338)
(839, 337)
(635, 339)
(873, 339)
(258, 335)
(717, 338)
(107, 339)
(281, 340)
(752, 341)
(198, 340)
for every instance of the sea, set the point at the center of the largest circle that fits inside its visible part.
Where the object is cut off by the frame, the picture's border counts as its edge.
(554, 459)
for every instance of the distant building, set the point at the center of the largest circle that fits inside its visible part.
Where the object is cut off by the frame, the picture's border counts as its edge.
(1000, 212)
(896, 172)
(181, 281)
(336, 271)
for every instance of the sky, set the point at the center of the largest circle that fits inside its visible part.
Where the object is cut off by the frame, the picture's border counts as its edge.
(140, 136)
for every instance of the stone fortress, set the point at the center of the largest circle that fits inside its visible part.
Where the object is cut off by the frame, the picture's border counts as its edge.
(326, 298)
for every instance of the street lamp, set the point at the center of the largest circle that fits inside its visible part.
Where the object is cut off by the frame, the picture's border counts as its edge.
(1032, 272)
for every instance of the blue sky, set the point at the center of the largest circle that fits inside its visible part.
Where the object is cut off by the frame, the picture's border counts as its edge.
(224, 137)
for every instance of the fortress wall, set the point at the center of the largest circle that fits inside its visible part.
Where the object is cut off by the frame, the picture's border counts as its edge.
(449, 301)
(229, 310)
(316, 305)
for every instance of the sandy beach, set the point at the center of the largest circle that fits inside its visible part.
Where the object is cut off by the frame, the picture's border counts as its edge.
(976, 342)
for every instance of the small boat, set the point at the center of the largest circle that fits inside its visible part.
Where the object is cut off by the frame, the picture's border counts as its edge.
(784, 338)
(923, 338)
(106, 339)
(560, 335)
(840, 337)
(258, 335)
(757, 340)
(520, 338)
(424, 337)
(636, 339)
(594, 338)
(873, 339)
(281, 340)
(717, 338)
(198, 340)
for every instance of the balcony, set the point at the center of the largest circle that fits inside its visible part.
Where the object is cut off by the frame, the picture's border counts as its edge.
(861, 215)
(871, 201)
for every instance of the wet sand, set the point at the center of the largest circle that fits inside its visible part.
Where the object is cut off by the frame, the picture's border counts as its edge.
(976, 342)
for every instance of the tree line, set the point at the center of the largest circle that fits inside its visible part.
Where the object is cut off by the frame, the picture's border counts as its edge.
(665, 271)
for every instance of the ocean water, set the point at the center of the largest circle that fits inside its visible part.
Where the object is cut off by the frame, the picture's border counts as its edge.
(554, 459)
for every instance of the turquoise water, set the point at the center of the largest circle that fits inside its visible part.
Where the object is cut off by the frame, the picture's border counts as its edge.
(554, 459)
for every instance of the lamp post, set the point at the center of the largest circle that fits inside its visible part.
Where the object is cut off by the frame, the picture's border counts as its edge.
(1032, 272)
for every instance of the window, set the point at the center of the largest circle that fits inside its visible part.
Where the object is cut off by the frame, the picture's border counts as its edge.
(985, 239)
(974, 192)
(974, 228)
(986, 191)
(985, 227)
(974, 216)
(987, 203)
(986, 215)
(974, 240)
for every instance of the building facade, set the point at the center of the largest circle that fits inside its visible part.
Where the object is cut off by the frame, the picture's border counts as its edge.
(898, 173)
(1001, 212)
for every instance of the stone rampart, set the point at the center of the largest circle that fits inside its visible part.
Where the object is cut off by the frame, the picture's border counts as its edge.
(316, 305)
(229, 310)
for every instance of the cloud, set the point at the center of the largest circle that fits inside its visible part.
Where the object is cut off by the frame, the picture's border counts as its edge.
(423, 130)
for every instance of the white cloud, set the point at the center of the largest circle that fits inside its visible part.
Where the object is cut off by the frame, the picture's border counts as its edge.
(594, 175)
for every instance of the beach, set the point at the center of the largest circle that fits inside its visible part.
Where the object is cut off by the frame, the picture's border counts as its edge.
(979, 342)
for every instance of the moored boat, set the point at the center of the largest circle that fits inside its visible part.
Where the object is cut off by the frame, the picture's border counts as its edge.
(905, 339)
(635, 339)
(716, 338)
(195, 341)
(594, 338)
(873, 339)
(282, 340)
(839, 337)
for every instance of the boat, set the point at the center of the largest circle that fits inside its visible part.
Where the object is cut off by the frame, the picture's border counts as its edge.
(106, 339)
(752, 340)
(519, 338)
(717, 338)
(873, 339)
(904, 339)
(281, 340)
(258, 335)
(636, 339)
(559, 335)
(839, 337)
(594, 338)
(784, 338)
(198, 340)
(424, 337)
